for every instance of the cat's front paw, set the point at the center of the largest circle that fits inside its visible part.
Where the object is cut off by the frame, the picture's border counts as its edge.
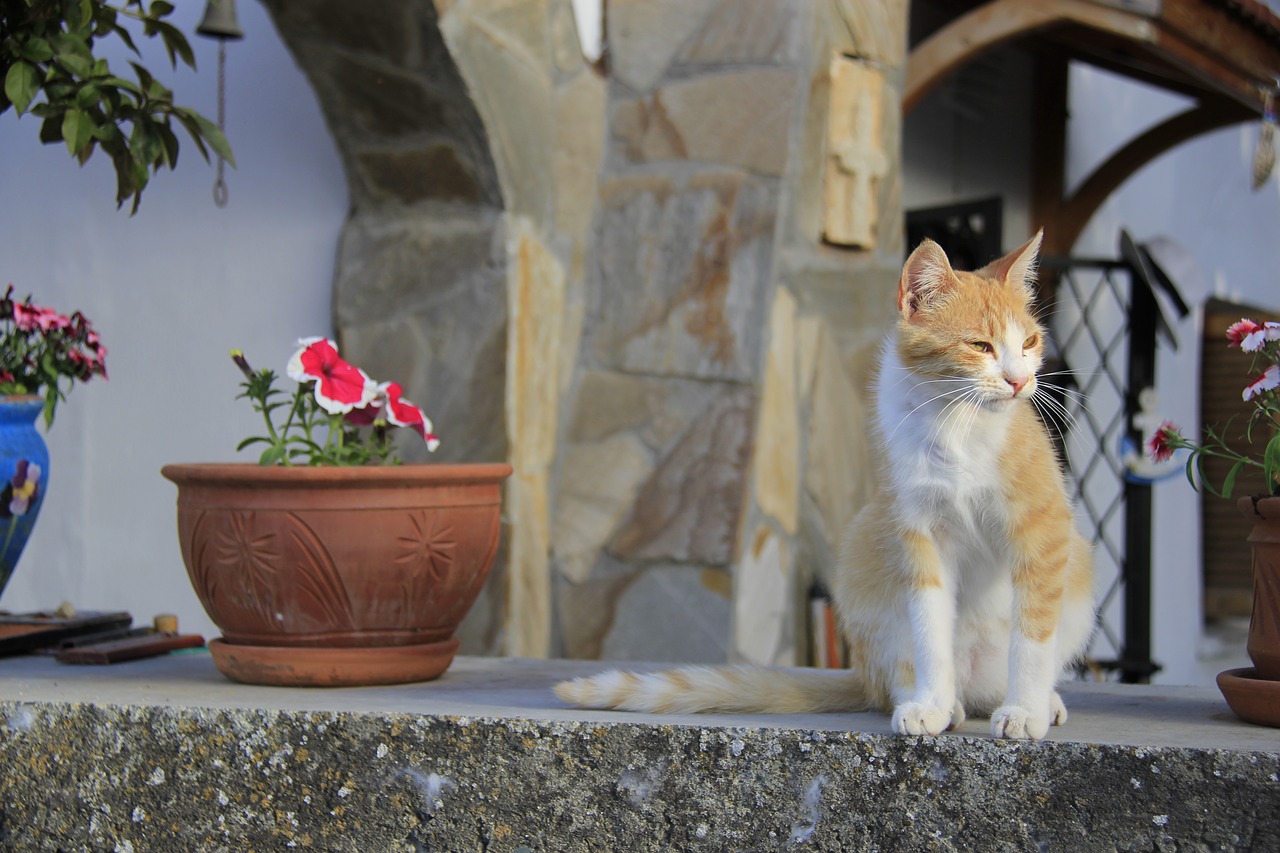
(1057, 710)
(1013, 721)
(918, 718)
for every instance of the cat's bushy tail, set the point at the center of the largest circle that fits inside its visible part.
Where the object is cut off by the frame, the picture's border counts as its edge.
(724, 689)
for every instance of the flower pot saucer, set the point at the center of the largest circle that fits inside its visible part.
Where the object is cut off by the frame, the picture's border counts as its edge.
(311, 666)
(1253, 699)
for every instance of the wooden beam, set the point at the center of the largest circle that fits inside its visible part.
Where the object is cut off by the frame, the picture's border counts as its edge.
(1140, 151)
(998, 21)
(1214, 70)
(1049, 156)
(1251, 49)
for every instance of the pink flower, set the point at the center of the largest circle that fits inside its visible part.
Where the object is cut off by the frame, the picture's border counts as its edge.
(365, 415)
(1268, 381)
(26, 317)
(49, 320)
(340, 387)
(1237, 332)
(1163, 444)
(1251, 336)
(402, 413)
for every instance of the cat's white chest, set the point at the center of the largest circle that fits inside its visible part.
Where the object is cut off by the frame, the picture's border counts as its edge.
(943, 452)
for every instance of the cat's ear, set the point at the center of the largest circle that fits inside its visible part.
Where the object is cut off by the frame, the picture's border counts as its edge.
(925, 275)
(1018, 268)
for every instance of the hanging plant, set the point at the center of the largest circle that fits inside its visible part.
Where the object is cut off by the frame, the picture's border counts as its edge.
(50, 70)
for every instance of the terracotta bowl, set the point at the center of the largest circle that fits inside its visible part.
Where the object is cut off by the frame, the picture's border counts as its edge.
(337, 576)
(1253, 699)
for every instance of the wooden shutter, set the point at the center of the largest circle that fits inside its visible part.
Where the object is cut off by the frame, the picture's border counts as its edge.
(1224, 371)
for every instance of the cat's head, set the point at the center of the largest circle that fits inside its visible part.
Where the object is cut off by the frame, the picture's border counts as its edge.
(973, 327)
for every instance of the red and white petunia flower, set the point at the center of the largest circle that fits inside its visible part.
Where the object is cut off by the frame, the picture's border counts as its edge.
(1237, 332)
(340, 387)
(402, 413)
(1268, 381)
(1257, 338)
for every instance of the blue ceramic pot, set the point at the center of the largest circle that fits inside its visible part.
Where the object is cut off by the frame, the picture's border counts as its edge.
(24, 470)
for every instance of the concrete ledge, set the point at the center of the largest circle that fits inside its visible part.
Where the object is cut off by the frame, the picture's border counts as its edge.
(165, 754)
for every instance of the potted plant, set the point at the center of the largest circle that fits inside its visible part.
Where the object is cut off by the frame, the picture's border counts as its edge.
(328, 562)
(1252, 692)
(43, 354)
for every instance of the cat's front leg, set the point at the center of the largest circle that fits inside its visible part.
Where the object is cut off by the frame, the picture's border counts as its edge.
(1031, 705)
(925, 704)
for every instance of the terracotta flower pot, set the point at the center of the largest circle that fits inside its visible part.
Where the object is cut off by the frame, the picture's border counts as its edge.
(337, 576)
(1254, 693)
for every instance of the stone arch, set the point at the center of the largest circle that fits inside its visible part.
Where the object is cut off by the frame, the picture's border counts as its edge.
(620, 286)
(462, 202)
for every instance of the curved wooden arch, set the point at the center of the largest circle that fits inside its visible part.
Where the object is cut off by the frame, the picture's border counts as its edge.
(1226, 95)
(1121, 165)
(999, 21)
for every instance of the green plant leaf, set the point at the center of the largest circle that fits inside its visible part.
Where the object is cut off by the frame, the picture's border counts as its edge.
(70, 44)
(175, 44)
(51, 130)
(83, 15)
(217, 141)
(88, 96)
(144, 77)
(127, 38)
(121, 83)
(273, 455)
(1271, 461)
(187, 118)
(169, 141)
(147, 147)
(1191, 471)
(1229, 482)
(77, 129)
(36, 50)
(75, 64)
(21, 85)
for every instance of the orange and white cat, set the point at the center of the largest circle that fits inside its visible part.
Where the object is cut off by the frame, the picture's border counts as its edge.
(963, 586)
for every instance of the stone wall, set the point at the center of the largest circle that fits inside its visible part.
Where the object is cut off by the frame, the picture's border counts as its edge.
(655, 285)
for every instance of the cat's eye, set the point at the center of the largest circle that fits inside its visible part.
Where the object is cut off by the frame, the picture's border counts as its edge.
(1030, 342)
(982, 346)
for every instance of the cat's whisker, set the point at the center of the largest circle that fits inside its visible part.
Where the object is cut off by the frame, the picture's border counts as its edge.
(932, 399)
(1055, 416)
(911, 374)
(1076, 397)
(1074, 373)
(968, 415)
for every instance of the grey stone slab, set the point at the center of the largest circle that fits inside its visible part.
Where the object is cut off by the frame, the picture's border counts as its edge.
(672, 613)
(166, 754)
(688, 510)
(688, 265)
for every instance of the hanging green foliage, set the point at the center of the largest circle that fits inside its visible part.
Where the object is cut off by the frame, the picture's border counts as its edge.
(49, 69)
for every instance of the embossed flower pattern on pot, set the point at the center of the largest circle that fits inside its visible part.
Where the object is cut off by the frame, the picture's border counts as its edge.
(243, 551)
(428, 549)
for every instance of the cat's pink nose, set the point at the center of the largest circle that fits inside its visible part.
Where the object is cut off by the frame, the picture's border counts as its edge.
(1017, 383)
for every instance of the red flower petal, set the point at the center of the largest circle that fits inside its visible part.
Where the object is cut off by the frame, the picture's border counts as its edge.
(1237, 332)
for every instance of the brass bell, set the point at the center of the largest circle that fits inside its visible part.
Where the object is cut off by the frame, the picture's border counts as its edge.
(220, 20)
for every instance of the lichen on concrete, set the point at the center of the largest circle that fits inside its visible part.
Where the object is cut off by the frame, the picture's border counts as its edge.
(105, 777)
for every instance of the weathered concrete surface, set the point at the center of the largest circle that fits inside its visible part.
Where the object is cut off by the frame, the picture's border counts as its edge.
(166, 754)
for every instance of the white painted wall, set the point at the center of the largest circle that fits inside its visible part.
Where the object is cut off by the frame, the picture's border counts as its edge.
(1199, 196)
(171, 290)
